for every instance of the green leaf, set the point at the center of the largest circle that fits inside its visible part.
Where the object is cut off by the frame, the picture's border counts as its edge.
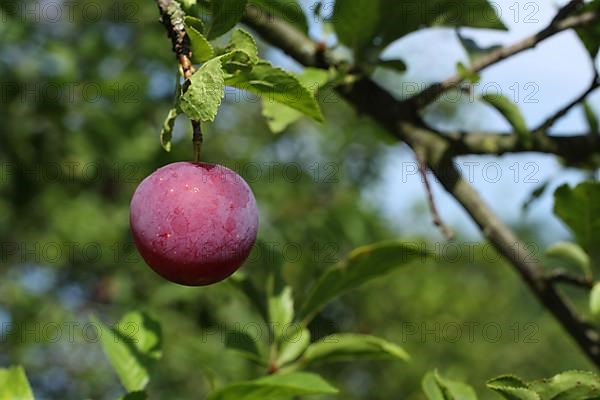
(360, 23)
(570, 385)
(188, 3)
(243, 41)
(511, 112)
(225, 15)
(352, 347)
(288, 10)
(166, 134)
(279, 116)
(590, 34)
(511, 388)
(466, 74)
(473, 49)
(356, 22)
(295, 341)
(196, 23)
(439, 388)
(595, 300)
(572, 255)
(245, 345)
(579, 209)
(591, 117)
(202, 50)
(281, 310)
(275, 387)
(14, 384)
(135, 396)
(276, 85)
(240, 54)
(132, 348)
(362, 265)
(206, 89)
(536, 194)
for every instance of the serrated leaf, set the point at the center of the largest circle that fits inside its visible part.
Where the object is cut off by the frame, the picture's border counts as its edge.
(243, 41)
(132, 348)
(510, 112)
(579, 209)
(276, 85)
(595, 300)
(362, 265)
(201, 48)
(591, 117)
(206, 89)
(351, 347)
(245, 345)
(569, 385)
(356, 22)
(14, 384)
(288, 10)
(196, 23)
(511, 388)
(572, 255)
(295, 341)
(225, 15)
(437, 387)
(275, 387)
(166, 134)
(280, 116)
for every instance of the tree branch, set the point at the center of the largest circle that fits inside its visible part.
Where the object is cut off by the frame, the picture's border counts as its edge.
(172, 17)
(437, 218)
(575, 149)
(556, 277)
(565, 110)
(431, 93)
(568, 9)
(403, 122)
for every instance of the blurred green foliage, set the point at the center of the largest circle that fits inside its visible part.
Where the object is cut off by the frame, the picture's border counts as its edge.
(83, 97)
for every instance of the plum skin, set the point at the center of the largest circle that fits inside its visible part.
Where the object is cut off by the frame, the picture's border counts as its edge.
(194, 223)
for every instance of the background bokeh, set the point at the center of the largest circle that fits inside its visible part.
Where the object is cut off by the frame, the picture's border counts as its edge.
(84, 88)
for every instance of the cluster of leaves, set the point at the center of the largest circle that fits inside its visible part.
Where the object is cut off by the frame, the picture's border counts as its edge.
(286, 96)
(569, 385)
(579, 208)
(289, 350)
(134, 345)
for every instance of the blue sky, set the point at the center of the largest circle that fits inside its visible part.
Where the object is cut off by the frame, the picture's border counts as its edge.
(541, 81)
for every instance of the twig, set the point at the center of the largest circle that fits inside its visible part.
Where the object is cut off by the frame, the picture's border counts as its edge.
(432, 92)
(437, 219)
(172, 17)
(565, 110)
(556, 277)
(568, 9)
(369, 98)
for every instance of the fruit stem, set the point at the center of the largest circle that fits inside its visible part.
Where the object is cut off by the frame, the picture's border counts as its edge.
(197, 140)
(172, 17)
